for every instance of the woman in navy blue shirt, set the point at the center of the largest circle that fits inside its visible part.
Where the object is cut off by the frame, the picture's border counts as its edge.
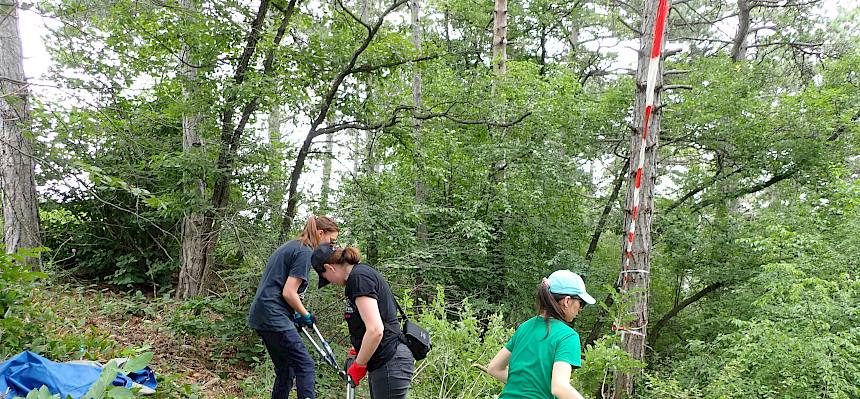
(278, 309)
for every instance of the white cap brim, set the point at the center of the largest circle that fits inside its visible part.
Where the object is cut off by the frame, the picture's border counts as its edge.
(587, 298)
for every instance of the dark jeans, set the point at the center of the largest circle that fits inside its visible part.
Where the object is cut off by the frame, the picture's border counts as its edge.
(391, 381)
(291, 360)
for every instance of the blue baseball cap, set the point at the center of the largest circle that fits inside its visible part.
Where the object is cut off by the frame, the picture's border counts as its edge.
(566, 282)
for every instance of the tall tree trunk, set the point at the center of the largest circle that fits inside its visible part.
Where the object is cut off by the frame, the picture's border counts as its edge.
(739, 47)
(420, 184)
(17, 168)
(543, 39)
(276, 191)
(498, 169)
(607, 209)
(194, 254)
(369, 164)
(636, 264)
(573, 38)
(326, 174)
(194, 276)
(500, 36)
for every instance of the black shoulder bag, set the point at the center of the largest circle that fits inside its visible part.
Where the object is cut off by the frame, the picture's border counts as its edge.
(415, 337)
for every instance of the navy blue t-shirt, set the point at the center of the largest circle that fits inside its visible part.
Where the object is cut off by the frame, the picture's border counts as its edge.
(270, 311)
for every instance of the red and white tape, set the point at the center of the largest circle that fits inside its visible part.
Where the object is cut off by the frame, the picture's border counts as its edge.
(653, 67)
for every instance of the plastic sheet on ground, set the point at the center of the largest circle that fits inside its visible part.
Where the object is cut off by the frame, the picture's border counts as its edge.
(28, 371)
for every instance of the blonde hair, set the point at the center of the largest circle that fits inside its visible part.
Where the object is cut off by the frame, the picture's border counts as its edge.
(309, 235)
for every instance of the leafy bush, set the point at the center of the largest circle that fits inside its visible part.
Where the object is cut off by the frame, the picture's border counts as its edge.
(220, 318)
(458, 342)
(460, 339)
(17, 313)
(599, 364)
(803, 343)
(114, 247)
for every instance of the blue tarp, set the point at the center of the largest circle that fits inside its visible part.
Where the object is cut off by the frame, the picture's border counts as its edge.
(27, 371)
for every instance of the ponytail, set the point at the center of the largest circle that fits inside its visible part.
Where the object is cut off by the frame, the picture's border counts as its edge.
(548, 304)
(348, 255)
(309, 235)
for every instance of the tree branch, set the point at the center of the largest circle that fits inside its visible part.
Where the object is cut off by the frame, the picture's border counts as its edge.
(674, 87)
(394, 63)
(632, 29)
(607, 208)
(792, 44)
(354, 17)
(393, 119)
(676, 72)
(780, 4)
(336, 82)
(655, 331)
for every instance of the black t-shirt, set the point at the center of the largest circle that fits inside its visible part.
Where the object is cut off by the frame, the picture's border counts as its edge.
(366, 281)
(270, 311)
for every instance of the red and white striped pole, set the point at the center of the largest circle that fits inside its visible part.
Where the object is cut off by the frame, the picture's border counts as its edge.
(653, 69)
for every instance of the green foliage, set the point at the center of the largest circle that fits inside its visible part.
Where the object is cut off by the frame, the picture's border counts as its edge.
(225, 320)
(802, 343)
(90, 244)
(18, 315)
(757, 190)
(459, 340)
(599, 363)
(793, 330)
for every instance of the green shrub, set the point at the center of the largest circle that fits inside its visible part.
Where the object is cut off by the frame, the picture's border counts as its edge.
(224, 320)
(458, 342)
(803, 343)
(18, 315)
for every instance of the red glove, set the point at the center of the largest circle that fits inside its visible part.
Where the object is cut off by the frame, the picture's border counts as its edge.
(356, 373)
(352, 352)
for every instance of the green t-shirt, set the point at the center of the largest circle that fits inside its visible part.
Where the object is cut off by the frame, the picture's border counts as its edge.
(533, 353)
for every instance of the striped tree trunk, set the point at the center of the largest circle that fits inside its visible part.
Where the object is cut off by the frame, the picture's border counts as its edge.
(635, 269)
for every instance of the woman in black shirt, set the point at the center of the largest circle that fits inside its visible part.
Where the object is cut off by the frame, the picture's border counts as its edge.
(371, 316)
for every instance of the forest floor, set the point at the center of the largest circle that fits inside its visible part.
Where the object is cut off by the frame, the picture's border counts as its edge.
(102, 322)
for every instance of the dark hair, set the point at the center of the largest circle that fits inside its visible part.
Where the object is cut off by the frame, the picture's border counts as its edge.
(548, 304)
(309, 234)
(348, 255)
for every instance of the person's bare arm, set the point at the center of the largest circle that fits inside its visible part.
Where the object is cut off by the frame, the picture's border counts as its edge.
(291, 294)
(368, 309)
(498, 367)
(561, 387)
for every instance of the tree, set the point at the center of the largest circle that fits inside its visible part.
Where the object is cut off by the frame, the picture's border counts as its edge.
(193, 271)
(636, 263)
(17, 166)
(500, 36)
(193, 277)
(417, 101)
(324, 106)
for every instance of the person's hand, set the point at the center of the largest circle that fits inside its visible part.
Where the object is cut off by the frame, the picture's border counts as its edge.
(356, 372)
(352, 353)
(307, 320)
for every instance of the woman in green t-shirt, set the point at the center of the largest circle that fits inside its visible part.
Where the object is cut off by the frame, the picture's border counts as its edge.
(538, 359)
